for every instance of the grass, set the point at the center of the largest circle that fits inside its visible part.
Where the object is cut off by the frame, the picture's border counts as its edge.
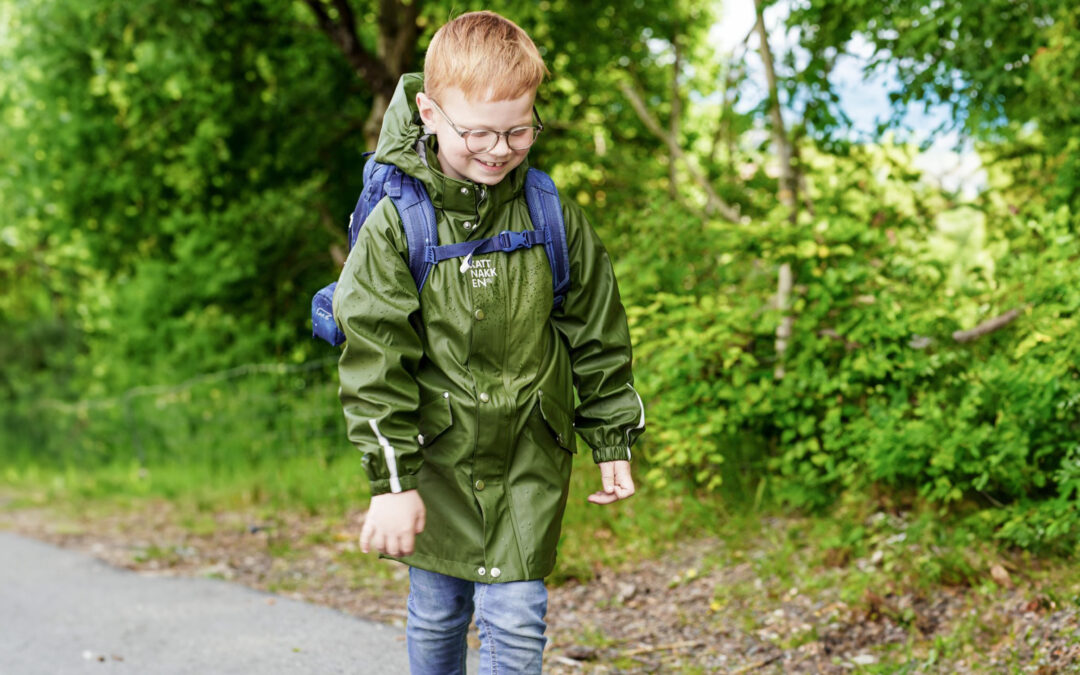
(314, 485)
(645, 526)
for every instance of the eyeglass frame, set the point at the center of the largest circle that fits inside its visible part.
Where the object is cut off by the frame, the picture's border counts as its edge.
(539, 126)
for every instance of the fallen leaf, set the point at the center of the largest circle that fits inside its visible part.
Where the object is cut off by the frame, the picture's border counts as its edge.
(1001, 576)
(580, 652)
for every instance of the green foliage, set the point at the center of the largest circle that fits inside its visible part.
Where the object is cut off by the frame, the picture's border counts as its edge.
(169, 166)
(875, 391)
(1000, 66)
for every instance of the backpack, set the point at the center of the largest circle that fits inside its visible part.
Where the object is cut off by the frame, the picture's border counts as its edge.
(418, 219)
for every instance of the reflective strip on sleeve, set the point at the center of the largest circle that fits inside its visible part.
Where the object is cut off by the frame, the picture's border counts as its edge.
(388, 453)
(641, 422)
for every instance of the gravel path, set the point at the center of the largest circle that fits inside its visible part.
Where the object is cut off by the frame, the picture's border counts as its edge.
(64, 612)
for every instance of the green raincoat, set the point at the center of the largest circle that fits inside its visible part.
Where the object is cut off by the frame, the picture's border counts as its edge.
(465, 390)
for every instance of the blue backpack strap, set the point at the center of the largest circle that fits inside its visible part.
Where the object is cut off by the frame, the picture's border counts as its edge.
(546, 212)
(549, 229)
(505, 241)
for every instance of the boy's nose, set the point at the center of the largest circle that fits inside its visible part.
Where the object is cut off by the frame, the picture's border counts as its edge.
(502, 147)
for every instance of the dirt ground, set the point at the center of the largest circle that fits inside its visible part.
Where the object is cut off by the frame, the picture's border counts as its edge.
(677, 614)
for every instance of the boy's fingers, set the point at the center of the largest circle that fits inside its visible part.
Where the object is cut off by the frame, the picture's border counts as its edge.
(365, 536)
(390, 546)
(421, 520)
(405, 543)
(378, 542)
(624, 482)
(607, 476)
(617, 480)
(602, 498)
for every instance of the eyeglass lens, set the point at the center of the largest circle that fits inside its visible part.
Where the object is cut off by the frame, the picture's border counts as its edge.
(482, 140)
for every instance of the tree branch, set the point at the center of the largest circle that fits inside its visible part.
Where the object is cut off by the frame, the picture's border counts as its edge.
(347, 17)
(649, 649)
(723, 124)
(343, 34)
(401, 32)
(676, 109)
(849, 345)
(988, 326)
(713, 201)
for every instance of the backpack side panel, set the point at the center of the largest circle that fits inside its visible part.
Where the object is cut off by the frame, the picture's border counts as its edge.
(322, 316)
(375, 177)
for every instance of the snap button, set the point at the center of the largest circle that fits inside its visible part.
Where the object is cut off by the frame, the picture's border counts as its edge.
(446, 394)
(484, 398)
(479, 485)
(465, 191)
(467, 225)
(482, 571)
(495, 572)
(479, 314)
(420, 439)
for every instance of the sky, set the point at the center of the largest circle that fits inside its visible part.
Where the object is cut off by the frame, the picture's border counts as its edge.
(865, 101)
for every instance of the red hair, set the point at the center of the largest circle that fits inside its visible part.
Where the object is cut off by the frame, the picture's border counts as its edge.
(486, 56)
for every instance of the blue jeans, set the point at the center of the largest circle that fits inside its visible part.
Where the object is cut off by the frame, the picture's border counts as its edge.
(509, 617)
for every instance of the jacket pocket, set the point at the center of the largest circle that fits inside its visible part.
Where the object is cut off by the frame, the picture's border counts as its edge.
(435, 418)
(560, 422)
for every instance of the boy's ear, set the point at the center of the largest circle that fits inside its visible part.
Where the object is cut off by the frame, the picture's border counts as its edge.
(427, 113)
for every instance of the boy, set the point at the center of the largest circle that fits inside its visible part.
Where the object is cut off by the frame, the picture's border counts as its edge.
(459, 393)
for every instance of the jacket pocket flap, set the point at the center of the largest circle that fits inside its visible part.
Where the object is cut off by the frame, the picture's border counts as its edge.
(560, 422)
(435, 418)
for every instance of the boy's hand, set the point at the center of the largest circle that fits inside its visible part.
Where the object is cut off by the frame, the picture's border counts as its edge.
(393, 520)
(617, 482)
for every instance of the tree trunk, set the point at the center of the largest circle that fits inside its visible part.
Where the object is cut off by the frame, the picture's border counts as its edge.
(394, 55)
(713, 202)
(396, 47)
(676, 112)
(786, 192)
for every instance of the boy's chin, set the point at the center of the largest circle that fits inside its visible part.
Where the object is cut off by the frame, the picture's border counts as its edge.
(487, 180)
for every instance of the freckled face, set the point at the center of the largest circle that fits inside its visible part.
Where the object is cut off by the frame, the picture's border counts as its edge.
(487, 168)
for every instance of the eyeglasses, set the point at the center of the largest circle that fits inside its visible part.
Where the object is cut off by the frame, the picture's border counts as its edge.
(483, 140)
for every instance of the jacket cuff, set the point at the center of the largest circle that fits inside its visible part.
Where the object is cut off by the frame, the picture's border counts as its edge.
(382, 485)
(611, 453)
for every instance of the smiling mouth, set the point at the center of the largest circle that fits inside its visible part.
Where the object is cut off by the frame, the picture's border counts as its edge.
(493, 165)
